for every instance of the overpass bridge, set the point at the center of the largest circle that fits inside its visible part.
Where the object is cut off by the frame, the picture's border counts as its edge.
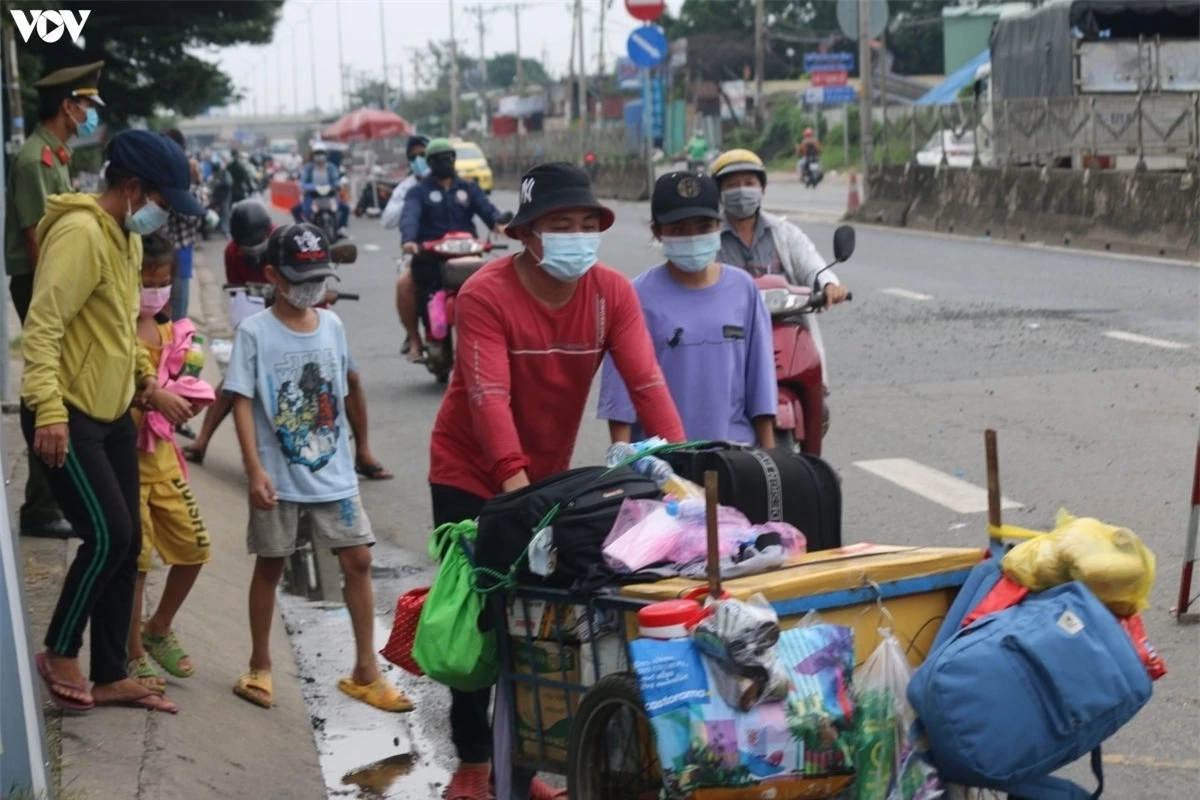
(204, 130)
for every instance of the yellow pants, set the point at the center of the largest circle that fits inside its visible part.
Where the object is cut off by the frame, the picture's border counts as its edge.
(172, 525)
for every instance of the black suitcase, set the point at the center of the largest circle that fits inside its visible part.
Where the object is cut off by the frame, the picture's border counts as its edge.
(772, 485)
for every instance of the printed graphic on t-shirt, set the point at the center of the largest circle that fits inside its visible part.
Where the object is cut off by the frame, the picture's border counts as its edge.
(306, 409)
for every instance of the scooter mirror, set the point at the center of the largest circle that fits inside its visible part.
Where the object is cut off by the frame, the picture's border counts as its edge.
(344, 253)
(843, 243)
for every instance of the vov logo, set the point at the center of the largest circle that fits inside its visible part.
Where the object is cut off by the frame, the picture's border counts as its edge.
(50, 24)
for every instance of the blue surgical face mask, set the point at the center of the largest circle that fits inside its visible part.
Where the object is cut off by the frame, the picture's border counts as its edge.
(420, 166)
(692, 253)
(568, 256)
(145, 220)
(91, 121)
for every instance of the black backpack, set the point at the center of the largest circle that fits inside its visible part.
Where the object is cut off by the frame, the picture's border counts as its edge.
(588, 499)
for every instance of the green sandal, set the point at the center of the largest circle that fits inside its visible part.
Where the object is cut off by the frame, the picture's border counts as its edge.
(167, 651)
(141, 670)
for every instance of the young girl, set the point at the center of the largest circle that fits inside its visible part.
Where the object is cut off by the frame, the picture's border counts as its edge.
(171, 523)
(710, 328)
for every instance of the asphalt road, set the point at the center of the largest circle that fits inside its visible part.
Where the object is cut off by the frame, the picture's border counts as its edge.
(1085, 363)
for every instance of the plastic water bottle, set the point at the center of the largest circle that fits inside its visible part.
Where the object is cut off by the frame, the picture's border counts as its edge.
(653, 468)
(193, 362)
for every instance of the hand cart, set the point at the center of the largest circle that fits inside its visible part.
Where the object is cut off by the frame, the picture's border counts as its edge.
(568, 701)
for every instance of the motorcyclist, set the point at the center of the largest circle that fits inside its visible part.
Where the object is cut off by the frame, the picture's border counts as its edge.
(440, 203)
(697, 150)
(406, 288)
(251, 227)
(808, 152)
(764, 243)
(321, 171)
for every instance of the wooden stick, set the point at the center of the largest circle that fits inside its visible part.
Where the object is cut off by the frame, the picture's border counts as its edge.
(993, 478)
(714, 555)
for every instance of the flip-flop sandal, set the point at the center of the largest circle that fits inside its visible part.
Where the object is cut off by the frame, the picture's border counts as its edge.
(54, 687)
(141, 670)
(150, 701)
(380, 693)
(374, 472)
(167, 651)
(256, 687)
(469, 784)
(193, 455)
(540, 790)
(185, 431)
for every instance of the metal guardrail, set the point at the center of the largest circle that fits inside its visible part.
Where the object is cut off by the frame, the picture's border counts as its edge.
(1042, 131)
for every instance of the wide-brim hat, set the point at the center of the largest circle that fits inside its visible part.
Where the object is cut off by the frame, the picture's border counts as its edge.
(550, 187)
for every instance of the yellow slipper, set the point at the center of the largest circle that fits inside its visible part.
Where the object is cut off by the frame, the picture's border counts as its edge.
(379, 693)
(255, 686)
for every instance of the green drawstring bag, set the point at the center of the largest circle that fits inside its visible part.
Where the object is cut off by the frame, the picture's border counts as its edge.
(449, 646)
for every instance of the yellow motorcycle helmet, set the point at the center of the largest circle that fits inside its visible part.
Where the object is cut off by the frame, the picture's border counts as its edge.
(739, 160)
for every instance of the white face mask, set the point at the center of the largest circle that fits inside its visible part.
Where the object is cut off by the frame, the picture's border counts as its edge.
(304, 295)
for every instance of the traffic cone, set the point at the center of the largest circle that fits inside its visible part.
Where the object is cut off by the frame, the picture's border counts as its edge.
(852, 202)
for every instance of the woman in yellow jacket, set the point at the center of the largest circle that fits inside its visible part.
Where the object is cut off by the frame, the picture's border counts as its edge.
(82, 367)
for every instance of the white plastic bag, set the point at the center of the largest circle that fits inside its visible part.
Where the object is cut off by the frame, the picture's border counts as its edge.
(888, 760)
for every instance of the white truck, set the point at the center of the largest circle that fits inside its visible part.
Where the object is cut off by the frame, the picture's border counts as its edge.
(1093, 83)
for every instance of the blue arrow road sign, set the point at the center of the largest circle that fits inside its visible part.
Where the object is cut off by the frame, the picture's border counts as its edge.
(828, 62)
(839, 95)
(647, 46)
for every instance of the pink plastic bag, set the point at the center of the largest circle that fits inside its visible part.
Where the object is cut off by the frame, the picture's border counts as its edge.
(437, 315)
(643, 534)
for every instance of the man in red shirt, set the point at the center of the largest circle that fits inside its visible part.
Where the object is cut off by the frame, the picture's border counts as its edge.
(250, 227)
(532, 331)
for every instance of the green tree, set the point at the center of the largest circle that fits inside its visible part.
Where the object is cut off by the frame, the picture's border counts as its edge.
(144, 48)
(502, 71)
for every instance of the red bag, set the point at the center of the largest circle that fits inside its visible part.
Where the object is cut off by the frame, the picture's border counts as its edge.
(1155, 667)
(399, 647)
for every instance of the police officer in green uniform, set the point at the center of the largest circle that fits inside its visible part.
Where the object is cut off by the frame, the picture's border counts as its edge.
(67, 106)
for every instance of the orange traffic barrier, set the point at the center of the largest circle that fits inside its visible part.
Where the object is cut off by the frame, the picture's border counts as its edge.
(852, 202)
(285, 194)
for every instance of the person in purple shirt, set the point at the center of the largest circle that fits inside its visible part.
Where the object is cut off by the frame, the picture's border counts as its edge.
(710, 328)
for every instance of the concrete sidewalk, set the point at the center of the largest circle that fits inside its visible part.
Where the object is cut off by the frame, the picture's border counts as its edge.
(218, 746)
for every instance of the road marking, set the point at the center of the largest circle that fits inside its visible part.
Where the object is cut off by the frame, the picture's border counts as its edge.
(1137, 338)
(945, 490)
(1146, 761)
(906, 294)
(370, 248)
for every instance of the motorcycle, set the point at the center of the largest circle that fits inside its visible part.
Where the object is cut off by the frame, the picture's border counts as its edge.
(811, 172)
(460, 255)
(374, 196)
(801, 418)
(322, 201)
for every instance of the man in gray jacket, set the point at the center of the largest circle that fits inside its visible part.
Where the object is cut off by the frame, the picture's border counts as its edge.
(763, 243)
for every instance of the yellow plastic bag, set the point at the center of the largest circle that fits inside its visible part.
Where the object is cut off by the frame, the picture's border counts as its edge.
(1109, 560)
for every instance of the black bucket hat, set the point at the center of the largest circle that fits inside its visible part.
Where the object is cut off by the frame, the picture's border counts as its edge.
(549, 187)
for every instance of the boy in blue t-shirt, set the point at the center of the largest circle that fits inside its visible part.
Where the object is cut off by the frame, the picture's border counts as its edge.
(288, 379)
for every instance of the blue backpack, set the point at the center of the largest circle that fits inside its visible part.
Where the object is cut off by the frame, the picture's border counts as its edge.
(1020, 693)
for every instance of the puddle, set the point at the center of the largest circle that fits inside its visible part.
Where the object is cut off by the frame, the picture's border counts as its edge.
(364, 753)
(376, 780)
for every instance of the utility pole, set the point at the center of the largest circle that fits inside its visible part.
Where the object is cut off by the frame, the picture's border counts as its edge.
(453, 74)
(312, 62)
(383, 50)
(480, 12)
(573, 83)
(516, 9)
(760, 35)
(341, 57)
(583, 79)
(864, 71)
(600, 48)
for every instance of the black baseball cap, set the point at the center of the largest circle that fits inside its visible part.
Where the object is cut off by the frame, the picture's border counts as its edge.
(301, 253)
(682, 195)
(160, 162)
(549, 187)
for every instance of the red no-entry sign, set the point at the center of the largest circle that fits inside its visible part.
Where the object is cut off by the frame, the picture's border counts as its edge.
(645, 10)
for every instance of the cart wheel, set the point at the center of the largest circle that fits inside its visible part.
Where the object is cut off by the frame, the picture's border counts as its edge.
(611, 751)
